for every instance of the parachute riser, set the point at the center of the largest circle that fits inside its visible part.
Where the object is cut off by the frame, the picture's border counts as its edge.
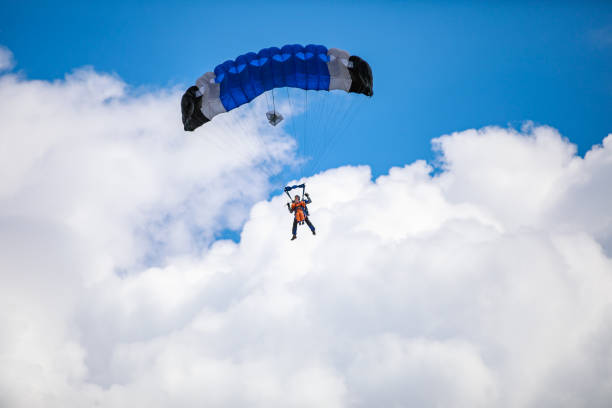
(289, 188)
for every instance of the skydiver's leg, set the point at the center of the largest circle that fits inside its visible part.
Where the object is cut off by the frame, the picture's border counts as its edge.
(312, 228)
(294, 228)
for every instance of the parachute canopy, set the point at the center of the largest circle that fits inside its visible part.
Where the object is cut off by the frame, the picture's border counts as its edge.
(236, 82)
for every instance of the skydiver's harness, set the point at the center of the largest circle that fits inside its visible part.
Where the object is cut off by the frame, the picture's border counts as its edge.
(301, 206)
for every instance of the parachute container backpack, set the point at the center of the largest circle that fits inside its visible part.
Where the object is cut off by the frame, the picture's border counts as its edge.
(300, 70)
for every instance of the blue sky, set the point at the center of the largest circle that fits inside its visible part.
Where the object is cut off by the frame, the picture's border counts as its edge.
(437, 68)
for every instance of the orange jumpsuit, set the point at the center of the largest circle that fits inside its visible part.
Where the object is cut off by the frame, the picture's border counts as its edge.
(299, 208)
(301, 215)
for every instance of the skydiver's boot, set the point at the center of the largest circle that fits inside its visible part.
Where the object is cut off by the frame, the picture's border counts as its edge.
(312, 228)
(293, 237)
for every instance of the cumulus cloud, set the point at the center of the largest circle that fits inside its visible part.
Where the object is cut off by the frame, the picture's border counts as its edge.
(6, 59)
(484, 284)
(118, 170)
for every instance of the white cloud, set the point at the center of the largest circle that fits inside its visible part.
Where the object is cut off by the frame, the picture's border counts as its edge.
(6, 59)
(119, 170)
(485, 285)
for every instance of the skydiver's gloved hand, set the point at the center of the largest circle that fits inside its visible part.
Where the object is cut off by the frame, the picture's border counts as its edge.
(307, 195)
(289, 206)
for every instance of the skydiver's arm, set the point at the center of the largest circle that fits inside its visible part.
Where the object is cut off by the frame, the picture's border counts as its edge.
(289, 208)
(308, 198)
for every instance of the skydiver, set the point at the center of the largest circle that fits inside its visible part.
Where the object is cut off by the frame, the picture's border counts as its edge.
(301, 214)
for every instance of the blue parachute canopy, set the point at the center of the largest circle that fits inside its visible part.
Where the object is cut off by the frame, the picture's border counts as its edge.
(252, 74)
(236, 82)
